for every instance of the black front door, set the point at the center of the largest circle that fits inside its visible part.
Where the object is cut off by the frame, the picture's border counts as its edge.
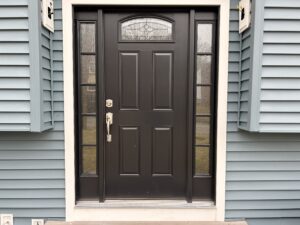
(146, 58)
(145, 103)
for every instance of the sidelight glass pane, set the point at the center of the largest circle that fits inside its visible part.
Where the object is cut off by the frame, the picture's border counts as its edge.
(87, 37)
(202, 131)
(203, 69)
(88, 130)
(146, 29)
(88, 69)
(204, 42)
(203, 100)
(89, 160)
(202, 161)
(88, 99)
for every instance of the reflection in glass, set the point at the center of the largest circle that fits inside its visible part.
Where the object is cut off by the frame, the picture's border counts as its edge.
(203, 69)
(204, 42)
(88, 69)
(87, 37)
(88, 99)
(144, 29)
(202, 161)
(202, 130)
(203, 100)
(88, 130)
(89, 160)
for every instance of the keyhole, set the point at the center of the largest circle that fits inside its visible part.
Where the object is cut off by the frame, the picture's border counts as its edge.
(243, 14)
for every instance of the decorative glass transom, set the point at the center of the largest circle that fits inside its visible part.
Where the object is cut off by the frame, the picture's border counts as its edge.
(146, 29)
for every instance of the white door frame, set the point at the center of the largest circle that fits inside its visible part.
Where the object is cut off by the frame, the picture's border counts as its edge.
(76, 213)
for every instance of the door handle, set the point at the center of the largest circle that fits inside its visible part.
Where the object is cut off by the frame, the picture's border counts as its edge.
(109, 122)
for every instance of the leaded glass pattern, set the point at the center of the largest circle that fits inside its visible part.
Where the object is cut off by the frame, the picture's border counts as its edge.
(146, 29)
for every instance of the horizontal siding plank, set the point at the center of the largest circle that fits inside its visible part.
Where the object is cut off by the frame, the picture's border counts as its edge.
(29, 154)
(274, 144)
(281, 60)
(281, 25)
(14, 95)
(281, 37)
(32, 194)
(280, 106)
(13, 12)
(272, 221)
(282, 4)
(32, 203)
(280, 128)
(280, 83)
(27, 184)
(264, 166)
(258, 156)
(280, 72)
(14, 118)
(7, 36)
(284, 117)
(14, 83)
(16, 106)
(262, 185)
(280, 95)
(32, 145)
(15, 60)
(263, 205)
(284, 49)
(13, 24)
(262, 213)
(31, 164)
(265, 175)
(14, 3)
(31, 174)
(11, 71)
(282, 13)
(14, 48)
(262, 195)
(36, 213)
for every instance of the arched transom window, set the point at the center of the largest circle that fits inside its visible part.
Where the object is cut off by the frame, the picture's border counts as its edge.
(146, 29)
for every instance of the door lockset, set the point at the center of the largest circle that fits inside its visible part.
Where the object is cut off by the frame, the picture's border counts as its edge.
(109, 122)
(109, 103)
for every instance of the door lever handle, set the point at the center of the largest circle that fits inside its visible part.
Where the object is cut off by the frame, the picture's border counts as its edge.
(109, 122)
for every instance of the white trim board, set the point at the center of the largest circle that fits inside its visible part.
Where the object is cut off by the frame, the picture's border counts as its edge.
(213, 213)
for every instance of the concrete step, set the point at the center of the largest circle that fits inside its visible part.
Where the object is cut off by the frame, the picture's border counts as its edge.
(147, 223)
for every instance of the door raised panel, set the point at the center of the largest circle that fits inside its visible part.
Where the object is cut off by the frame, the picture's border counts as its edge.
(162, 80)
(129, 80)
(162, 151)
(129, 150)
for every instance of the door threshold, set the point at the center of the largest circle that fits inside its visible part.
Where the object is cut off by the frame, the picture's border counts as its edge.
(151, 204)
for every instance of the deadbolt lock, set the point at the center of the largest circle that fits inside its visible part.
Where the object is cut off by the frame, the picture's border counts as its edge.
(109, 103)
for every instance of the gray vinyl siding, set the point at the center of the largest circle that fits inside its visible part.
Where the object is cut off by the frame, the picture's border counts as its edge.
(25, 68)
(280, 79)
(14, 66)
(273, 96)
(47, 74)
(32, 164)
(245, 83)
(263, 169)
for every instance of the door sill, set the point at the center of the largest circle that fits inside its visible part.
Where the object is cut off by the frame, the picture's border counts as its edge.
(146, 204)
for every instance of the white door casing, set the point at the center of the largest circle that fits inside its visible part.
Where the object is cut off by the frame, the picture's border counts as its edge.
(101, 212)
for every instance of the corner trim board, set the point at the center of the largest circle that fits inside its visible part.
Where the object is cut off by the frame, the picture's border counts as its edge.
(34, 10)
(256, 63)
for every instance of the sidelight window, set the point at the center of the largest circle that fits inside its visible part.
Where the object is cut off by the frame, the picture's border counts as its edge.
(87, 99)
(204, 100)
